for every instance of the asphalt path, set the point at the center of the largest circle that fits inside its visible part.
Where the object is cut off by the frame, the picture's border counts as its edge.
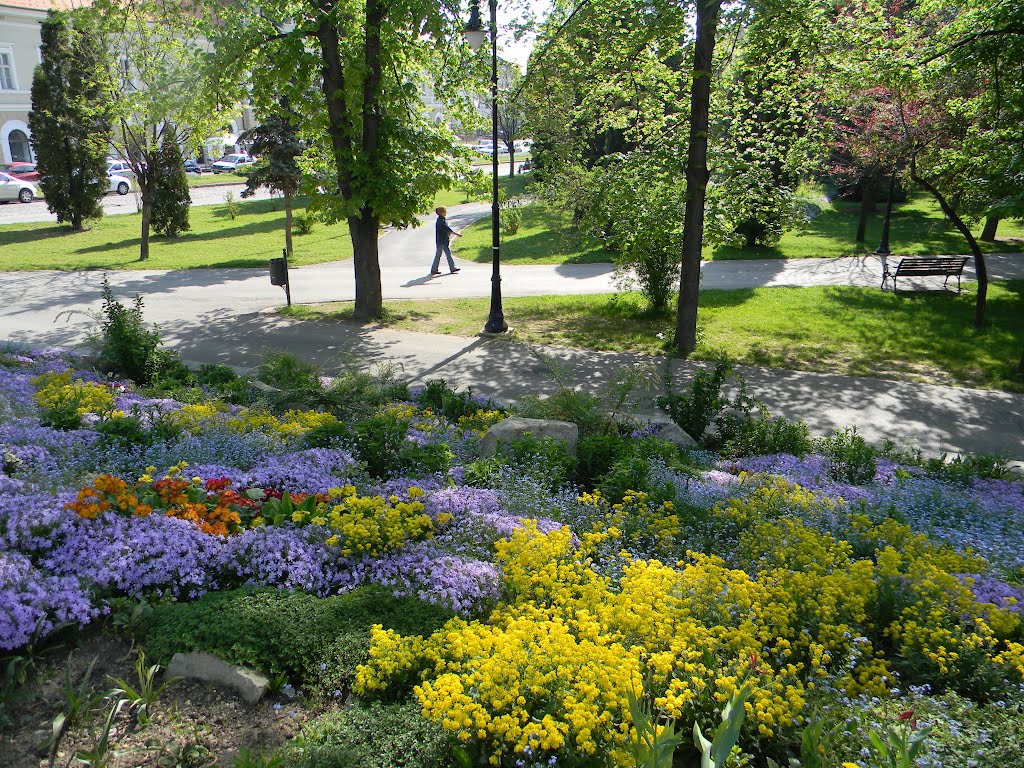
(226, 315)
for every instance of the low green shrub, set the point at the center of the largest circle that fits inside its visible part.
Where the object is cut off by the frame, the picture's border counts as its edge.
(595, 456)
(371, 736)
(965, 468)
(742, 434)
(695, 409)
(439, 396)
(583, 409)
(380, 442)
(315, 642)
(289, 373)
(851, 459)
(303, 223)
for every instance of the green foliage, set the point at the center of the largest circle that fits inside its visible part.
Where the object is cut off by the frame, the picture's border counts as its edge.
(231, 208)
(70, 119)
(746, 433)
(511, 215)
(147, 691)
(171, 198)
(595, 456)
(381, 445)
(654, 746)
(716, 753)
(315, 642)
(851, 460)
(438, 395)
(303, 223)
(276, 142)
(288, 372)
(124, 346)
(694, 410)
(963, 468)
(370, 736)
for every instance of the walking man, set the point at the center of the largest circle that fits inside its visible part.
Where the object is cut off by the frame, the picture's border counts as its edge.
(442, 237)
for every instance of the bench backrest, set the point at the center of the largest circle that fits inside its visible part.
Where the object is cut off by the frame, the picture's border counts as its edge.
(930, 265)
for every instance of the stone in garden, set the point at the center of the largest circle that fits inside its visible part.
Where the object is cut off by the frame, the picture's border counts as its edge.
(515, 428)
(248, 683)
(673, 433)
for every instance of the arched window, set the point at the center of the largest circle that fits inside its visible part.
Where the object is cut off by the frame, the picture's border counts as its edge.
(21, 151)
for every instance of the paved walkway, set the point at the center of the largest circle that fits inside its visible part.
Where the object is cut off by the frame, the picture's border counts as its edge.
(225, 315)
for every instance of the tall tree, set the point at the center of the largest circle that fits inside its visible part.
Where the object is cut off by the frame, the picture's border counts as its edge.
(276, 141)
(348, 68)
(697, 174)
(171, 199)
(70, 120)
(160, 87)
(510, 113)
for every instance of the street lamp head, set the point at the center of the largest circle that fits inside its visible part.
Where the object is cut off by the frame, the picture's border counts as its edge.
(474, 27)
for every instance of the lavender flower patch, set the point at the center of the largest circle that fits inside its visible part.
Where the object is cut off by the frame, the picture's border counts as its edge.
(28, 521)
(314, 470)
(989, 589)
(424, 570)
(278, 556)
(479, 520)
(16, 394)
(137, 555)
(34, 604)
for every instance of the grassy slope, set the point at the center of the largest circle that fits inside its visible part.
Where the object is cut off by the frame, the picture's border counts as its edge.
(256, 235)
(923, 336)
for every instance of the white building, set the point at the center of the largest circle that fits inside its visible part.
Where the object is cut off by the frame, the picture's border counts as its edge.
(19, 55)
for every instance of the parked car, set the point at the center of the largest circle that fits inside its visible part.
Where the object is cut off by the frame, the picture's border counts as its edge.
(192, 166)
(120, 184)
(23, 171)
(16, 189)
(119, 168)
(526, 165)
(231, 163)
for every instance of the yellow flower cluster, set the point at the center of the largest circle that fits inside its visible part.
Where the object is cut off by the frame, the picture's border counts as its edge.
(551, 669)
(480, 422)
(638, 522)
(372, 525)
(196, 417)
(61, 390)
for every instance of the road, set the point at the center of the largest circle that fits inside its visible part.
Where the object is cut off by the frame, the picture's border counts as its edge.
(114, 204)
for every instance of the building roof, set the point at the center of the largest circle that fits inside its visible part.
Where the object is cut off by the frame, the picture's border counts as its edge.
(44, 5)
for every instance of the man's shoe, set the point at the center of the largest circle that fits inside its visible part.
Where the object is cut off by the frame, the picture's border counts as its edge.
(435, 272)
(454, 271)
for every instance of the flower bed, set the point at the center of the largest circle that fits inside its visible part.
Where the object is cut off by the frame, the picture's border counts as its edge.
(770, 577)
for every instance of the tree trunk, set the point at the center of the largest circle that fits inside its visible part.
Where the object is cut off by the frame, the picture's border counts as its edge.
(696, 175)
(988, 234)
(1020, 366)
(511, 162)
(369, 298)
(868, 198)
(288, 222)
(147, 187)
(979, 258)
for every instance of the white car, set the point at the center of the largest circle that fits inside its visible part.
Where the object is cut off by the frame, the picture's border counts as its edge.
(16, 189)
(231, 163)
(119, 168)
(120, 184)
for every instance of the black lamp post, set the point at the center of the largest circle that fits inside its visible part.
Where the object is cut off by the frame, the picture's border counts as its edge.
(883, 247)
(475, 36)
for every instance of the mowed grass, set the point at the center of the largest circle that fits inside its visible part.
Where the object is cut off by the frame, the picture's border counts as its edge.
(925, 336)
(918, 228)
(216, 240)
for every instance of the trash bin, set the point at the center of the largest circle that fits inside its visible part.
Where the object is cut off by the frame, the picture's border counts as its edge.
(278, 272)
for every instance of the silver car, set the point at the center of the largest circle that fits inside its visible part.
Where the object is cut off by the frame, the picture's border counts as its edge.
(16, 189)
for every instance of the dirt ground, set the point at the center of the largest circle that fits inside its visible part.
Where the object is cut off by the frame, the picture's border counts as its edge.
(191, 724)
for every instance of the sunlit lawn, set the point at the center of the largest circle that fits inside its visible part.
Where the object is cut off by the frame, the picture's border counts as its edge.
(216, 240)
(918, 228)
(923, 336)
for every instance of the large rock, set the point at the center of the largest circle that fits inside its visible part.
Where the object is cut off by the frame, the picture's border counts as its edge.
(249, 683)
(515, 428)
(673, 433)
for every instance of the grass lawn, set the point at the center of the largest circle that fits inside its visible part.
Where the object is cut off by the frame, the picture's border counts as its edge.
(214, 179)
(256, 235)
(918, 228)
(924, 336)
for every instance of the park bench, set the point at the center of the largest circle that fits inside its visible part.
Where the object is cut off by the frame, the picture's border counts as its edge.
(924, 266)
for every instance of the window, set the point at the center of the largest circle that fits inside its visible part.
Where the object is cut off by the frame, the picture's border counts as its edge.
(7, 81)
(21, 151)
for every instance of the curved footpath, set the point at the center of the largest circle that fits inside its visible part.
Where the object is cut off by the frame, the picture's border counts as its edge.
(222, 315)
